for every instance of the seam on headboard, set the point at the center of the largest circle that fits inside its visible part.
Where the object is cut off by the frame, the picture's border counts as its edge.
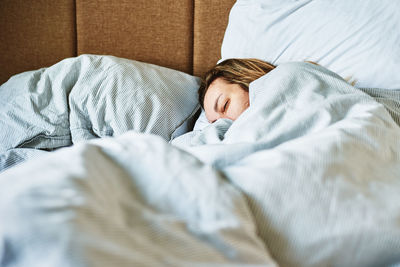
(76, 30)
(193, 33)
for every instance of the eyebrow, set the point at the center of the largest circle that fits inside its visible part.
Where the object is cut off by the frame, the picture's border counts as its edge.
(216, 103)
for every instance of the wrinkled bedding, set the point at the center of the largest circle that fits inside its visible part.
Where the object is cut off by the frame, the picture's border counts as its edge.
(309, 175)
(87, 97)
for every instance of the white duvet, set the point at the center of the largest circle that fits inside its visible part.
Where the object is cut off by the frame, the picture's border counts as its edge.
(309, 175)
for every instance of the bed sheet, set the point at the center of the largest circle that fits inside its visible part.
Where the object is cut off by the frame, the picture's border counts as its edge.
(308, 175)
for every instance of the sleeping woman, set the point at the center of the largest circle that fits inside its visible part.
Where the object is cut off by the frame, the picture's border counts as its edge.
(224, 90)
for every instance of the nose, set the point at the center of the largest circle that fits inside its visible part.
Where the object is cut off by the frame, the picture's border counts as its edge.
(215, 118)
(220, 116)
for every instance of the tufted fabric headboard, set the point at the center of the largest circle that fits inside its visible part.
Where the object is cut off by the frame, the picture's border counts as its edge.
(184, 35)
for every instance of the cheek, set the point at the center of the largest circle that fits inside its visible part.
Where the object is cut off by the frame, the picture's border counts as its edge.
(238, 108)
(242, 107)
(242, 101)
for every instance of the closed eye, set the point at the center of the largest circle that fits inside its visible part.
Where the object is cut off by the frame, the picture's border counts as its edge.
(226, 105)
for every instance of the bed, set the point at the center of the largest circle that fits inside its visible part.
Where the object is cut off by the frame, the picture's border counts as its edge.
(106, 158)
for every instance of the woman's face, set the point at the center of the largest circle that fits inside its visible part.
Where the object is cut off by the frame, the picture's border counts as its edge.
(225, 100)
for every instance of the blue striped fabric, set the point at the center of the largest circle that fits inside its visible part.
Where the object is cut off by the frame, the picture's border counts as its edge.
(92, 96)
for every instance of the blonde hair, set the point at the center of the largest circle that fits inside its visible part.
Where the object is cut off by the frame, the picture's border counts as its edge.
(241, 71)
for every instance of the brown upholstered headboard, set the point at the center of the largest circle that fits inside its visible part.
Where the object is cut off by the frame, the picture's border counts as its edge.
(181, 34)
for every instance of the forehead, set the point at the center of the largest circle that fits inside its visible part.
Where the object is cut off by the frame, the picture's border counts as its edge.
(217, 87)
(218, 84)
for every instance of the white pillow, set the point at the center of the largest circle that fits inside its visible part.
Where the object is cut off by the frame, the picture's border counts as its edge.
(358, 38)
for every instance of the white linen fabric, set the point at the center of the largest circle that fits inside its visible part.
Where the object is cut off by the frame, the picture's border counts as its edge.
(92, 96)
(358, 39)
(130, 201)
(201, 121)
(308, 175)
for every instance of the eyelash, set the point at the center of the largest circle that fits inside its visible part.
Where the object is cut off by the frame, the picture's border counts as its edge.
(225, 106)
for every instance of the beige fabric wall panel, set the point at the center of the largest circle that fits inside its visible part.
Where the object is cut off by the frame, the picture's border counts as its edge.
(210, 21)
(35, 34)
(154, 31)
